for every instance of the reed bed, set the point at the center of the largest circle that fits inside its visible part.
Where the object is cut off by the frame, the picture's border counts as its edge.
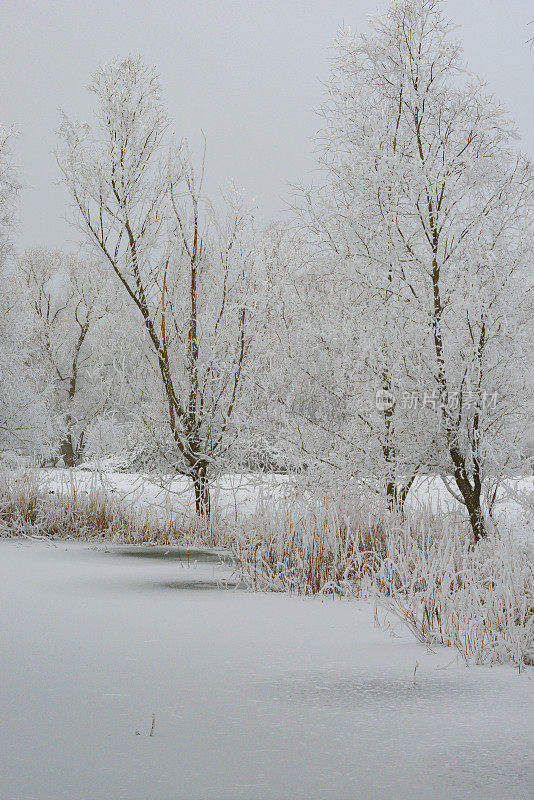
(30, 508)
(422, 567)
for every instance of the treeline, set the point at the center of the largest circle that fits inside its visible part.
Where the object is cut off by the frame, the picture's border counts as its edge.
(381, 333)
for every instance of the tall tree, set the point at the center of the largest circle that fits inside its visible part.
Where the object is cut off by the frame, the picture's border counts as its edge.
(438, 202)
(361, 376)
(187, 270)
(26, 426)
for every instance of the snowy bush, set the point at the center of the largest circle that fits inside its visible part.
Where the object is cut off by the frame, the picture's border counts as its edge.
(478, 599)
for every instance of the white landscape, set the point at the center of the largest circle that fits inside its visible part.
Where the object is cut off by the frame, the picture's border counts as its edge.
(266, 465)
(254, 695)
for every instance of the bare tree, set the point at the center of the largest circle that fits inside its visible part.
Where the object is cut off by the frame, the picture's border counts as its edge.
(26, 426)
(9, 188)
(361, 374)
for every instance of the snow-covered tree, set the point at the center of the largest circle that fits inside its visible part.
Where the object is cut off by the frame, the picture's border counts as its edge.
(73, 315)
(348, 346)
(433, 206)
(26, 425)
(187, 269)
(8, 193)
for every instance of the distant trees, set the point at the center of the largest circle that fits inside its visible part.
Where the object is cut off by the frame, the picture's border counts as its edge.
(8, 194)
(26, 426)
(188, 270)
(72, 309)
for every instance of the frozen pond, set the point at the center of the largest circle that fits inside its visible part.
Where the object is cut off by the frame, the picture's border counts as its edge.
(256, 697)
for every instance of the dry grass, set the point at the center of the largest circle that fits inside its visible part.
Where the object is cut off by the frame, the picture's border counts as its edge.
(324, 548)
(478, 599)
(29, 508)
(423, 568)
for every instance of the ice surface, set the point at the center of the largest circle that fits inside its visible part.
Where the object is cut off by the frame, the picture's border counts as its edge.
(256, 697)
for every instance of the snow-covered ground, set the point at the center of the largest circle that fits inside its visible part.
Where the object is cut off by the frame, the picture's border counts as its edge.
(256, 697)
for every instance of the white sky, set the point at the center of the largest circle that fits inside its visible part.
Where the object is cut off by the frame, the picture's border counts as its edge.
(247, 72)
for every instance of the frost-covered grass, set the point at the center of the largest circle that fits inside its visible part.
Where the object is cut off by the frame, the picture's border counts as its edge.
(479, 599)
(422, 567)
(85, 510)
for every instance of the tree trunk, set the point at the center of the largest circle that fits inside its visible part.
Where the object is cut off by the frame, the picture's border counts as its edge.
(391, 495)
(471, 494)
(202, 492)
(472, 502)
(476, 519)
(67, 452)
(396, 495)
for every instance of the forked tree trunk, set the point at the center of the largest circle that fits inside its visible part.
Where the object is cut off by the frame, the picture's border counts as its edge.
(202, 492)
(471, 491)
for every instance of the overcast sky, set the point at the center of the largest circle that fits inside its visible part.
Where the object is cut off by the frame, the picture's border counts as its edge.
(246, 72)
